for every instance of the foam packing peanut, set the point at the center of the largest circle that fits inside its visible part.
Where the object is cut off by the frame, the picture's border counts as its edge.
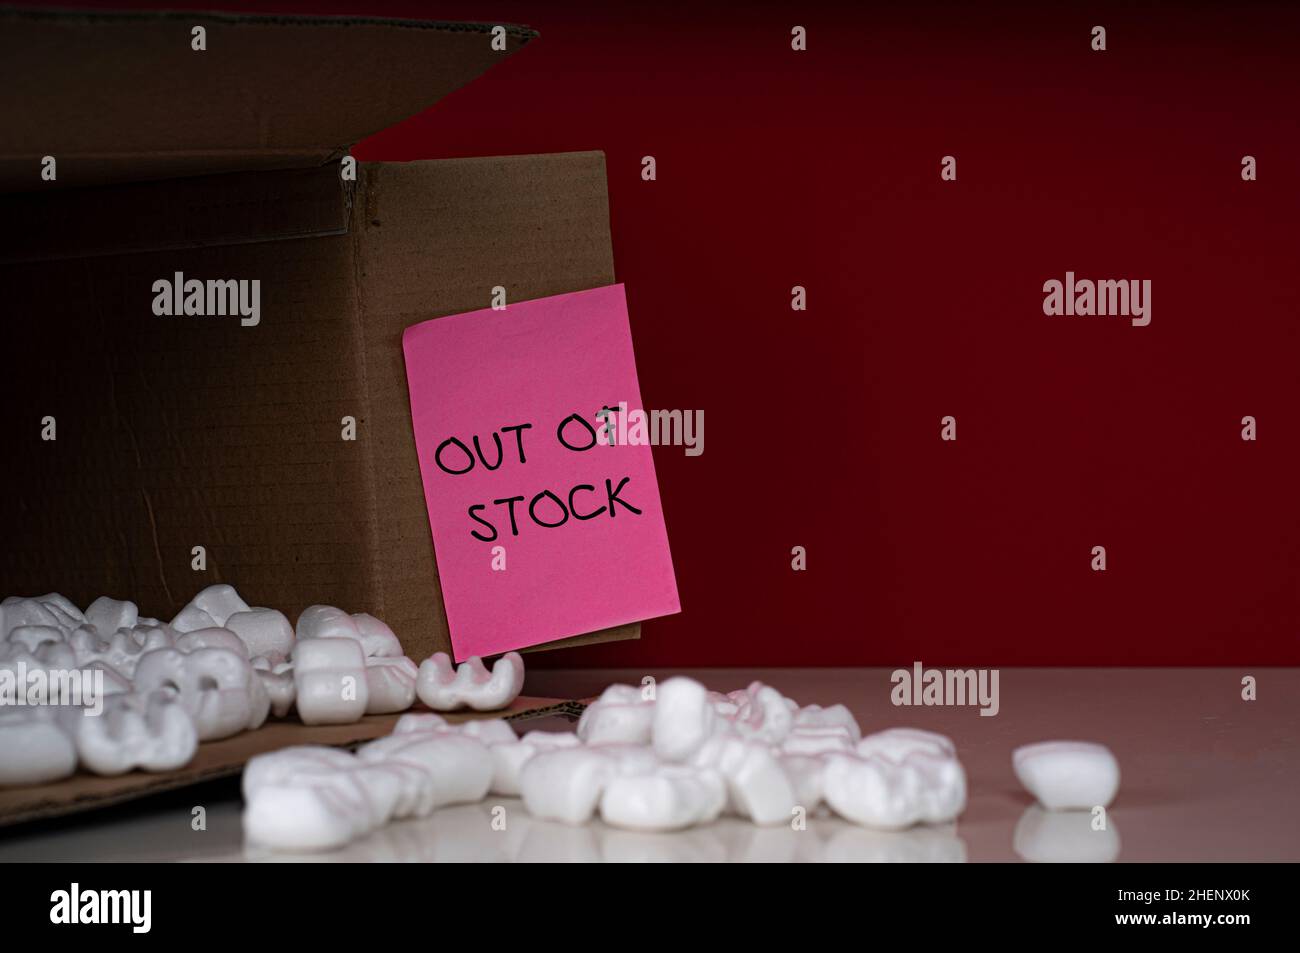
(312, 798)
(150, 637)
(346, 795)
(326, 622)
(496, 735)
(114, 682)
(401, 790)
(191, 618)
(309, 817)
(1065, 775)
(270, 663)
(629, 759)
(330, 681)
(48, 657)
(263, 632)
(488, 731)
(833, 716)
(418, 722)
(620, 714)
(108, 615)
(815, 741)
(34, 747)
(806, 774)
(121, 651)
(509, 758)
(32, 637)
(61, 605)
(216, 686)
(377, 639)
(758, 787)
(671, 798)
(390, 684)
(683, 718)
(566, 784)
(18, 611)
(460, 768)
(213, 637)
(210, 608)
(444, 688)
(219, 602)
(891, 795)
(763, 713)
(723, 706)
(391, 677)
(66, 622)
(896, 744)
(282, 766)
(278, 683)
(688, 724)
(149, 732)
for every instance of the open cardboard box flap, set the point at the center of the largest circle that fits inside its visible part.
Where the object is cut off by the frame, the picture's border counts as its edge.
(120, 97)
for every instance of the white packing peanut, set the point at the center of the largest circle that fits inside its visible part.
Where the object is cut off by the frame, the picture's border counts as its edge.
(470, 685)
(1065, 775)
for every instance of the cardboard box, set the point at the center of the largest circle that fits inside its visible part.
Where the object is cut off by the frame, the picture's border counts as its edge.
(184, 431)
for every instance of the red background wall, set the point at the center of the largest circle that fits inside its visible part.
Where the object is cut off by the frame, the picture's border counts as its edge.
(821, 168)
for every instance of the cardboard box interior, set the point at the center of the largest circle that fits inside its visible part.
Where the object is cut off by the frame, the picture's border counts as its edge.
(177, 432)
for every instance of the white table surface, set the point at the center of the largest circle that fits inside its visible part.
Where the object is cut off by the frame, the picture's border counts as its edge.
(1206, 776)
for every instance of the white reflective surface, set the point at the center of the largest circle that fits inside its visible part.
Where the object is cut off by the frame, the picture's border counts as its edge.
(1205, 775)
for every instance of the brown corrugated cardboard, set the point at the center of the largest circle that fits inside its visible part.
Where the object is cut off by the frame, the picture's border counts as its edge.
(177, 432)
(125, 96)
(433, 238)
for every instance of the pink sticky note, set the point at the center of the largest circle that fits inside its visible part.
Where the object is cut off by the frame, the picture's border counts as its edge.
(598, 562)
